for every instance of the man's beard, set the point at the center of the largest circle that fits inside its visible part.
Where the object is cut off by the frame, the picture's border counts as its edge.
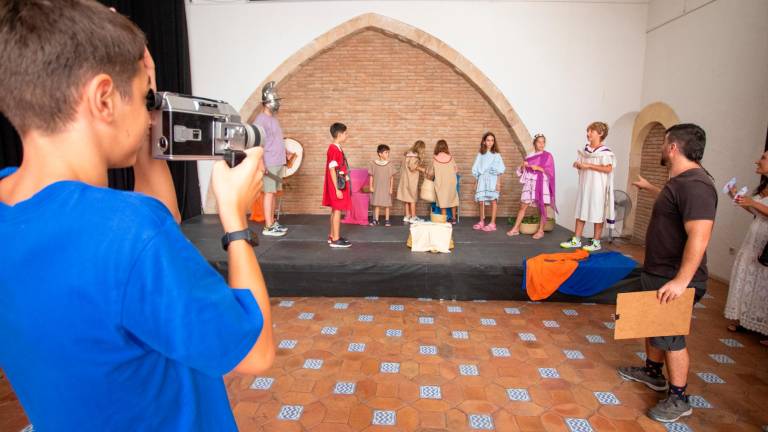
(664, 161)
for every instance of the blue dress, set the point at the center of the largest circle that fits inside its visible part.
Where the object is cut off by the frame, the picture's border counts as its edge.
(487, 169)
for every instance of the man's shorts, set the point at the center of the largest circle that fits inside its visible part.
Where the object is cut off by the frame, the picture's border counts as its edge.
(273, 181)
(650, 282)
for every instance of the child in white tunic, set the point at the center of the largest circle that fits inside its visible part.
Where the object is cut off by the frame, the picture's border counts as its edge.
(594, 199)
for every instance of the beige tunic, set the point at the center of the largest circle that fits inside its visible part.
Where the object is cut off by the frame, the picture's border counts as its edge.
(382, 175)
(445, 183)
(408, 188)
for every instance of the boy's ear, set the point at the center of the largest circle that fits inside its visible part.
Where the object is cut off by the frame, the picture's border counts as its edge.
(99, 97)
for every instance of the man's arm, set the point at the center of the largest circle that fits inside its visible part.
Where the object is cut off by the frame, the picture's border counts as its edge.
(699, 232)
(235, 189)
(646, 186)
(152, 176)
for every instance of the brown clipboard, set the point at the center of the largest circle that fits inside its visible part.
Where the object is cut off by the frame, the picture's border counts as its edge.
(640, 315)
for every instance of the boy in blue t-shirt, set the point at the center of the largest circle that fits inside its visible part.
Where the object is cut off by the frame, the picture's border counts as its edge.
(109, 318)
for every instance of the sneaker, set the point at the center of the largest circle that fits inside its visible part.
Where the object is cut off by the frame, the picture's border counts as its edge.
(639, 374)
(273, 231)
(490, 227)
(416, 219)
(479, 226)
(280, 227)
(406, 220)
(340, 243)
(574, 242)
(387, 223)
(671, 409)
(593, 247)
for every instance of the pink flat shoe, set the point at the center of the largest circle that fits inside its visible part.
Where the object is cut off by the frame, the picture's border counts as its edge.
(538, 235)
(513, 233)
(490, 227)
(479, 226)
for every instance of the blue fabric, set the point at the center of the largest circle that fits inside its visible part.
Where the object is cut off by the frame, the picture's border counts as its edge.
(487, 169)
(594, 275)
(111, 320)
(597, 273)
(449, 211)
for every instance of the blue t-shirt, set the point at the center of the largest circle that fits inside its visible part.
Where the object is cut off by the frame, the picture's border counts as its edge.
(110, 319)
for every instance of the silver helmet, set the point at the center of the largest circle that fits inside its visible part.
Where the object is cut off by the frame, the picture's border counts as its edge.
(269, 97)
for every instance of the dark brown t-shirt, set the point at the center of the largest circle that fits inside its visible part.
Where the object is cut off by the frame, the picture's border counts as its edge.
(688, 196)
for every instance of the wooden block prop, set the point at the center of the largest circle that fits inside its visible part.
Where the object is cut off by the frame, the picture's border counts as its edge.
(640, 315)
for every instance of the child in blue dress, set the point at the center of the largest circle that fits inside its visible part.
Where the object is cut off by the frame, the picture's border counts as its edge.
(487, 169)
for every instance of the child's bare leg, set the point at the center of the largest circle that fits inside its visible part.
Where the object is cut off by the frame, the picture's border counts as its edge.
(376, 214)
(482, 211)
(520, 215)
(443, 211)
(579, 228)
(598, 231)
(542, 221)
(386, 213)
(335, 224)
(453, 213)
(493, 212)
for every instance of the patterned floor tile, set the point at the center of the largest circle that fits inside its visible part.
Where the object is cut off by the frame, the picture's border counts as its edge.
(595, 339)
(512, 311)
(328, 331)
(287, 344)
(722, 358)
(518, 394)
(384, 418)
(460, 334)
(427, 350)
(372, 298)
(356, 347)
(286, 303)
(710, 378)
(389, 367)
(578, 425)
(480, 421)
(551, 324)
(570, 312)
(699, 402)
(611, 325)
(313, 364)
(733, 343)
(290, 412)
(549, 373)
(341, 306)
(500, 352)
(396, 308)
(527, 337)
(365, 318)
(306, 316)
(344, 388)
(430, 392)
(642, 355)
(426, 320)
(677, 427)
(487, 321)
(573, 355)
(455, 309)
(425, 299)
(394, 333)
(607, 398)
(469, 370)
(262, 383)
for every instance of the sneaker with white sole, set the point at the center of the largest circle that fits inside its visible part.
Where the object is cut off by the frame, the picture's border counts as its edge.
(573, 243)
(273, 231)
(340, 243)
(280, 227)
(416, 219)
(671, 409)
(593, 247)
(641, 375)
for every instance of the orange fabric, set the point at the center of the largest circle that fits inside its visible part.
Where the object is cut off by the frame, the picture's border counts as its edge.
(257, 209)
(546, 272)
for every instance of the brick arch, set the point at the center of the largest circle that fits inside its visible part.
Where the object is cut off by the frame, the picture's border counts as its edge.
(649, 127)
(413, 36)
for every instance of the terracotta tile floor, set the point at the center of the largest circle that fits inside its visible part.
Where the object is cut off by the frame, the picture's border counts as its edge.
(417, 364)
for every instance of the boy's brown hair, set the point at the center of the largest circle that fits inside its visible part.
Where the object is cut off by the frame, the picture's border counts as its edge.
(50, 48)
(600, 128)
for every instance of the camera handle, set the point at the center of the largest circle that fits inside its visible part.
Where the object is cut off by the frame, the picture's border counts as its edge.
(234, 157)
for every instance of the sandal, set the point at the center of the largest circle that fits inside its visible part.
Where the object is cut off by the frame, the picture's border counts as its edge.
(478, 226)
(374, 222)
(538, 235)
(513, 233)
(387, 223)
(490, 227)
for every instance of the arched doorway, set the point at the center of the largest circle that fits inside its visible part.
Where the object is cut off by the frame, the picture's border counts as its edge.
(391, 84)
(652, 170)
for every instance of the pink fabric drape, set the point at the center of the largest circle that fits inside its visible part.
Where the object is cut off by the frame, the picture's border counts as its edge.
(358, 213)
(547, 163)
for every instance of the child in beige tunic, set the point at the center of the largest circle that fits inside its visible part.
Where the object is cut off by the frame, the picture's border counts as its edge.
(381, 182)
(443, 171)
(408, 188)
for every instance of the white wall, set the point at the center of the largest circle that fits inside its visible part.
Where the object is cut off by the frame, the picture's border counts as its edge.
(560, 64)
(710, 64)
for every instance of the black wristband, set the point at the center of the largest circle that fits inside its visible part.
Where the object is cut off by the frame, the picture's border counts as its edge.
(245, 234)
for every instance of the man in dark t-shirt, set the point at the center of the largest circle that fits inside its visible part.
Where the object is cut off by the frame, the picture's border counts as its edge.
(675, 259)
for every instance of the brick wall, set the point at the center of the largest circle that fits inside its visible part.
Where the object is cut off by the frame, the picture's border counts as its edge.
(387, 92)
(651, 169)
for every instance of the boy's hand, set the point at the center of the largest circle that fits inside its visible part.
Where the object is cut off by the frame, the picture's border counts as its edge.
(236, 188)
(340, 194)
(578, 165)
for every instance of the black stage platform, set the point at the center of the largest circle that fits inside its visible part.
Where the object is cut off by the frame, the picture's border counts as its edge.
(482, 266)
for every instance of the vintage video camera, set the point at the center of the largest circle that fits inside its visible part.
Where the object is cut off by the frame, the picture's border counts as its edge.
(194, 128)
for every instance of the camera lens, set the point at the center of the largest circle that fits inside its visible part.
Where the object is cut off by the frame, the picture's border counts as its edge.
(154, 101)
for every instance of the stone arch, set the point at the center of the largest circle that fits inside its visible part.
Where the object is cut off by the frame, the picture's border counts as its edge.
(652, 116)
(413, 36)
